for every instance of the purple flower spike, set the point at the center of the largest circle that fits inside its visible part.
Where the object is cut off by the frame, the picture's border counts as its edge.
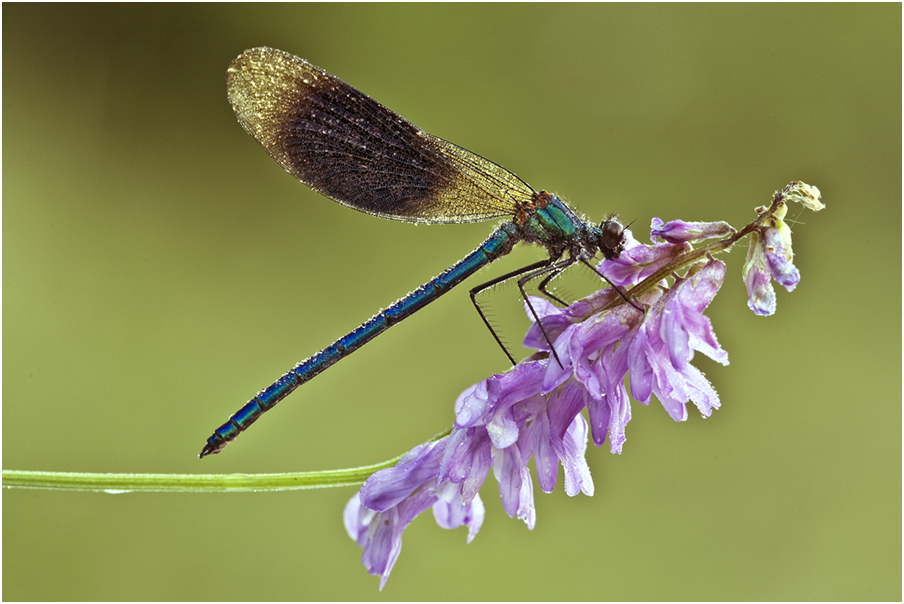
(648, 334)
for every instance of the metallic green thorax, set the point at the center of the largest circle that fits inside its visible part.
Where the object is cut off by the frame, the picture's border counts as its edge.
(555, 226)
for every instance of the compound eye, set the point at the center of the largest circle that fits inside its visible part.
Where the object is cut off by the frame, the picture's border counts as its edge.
(612, 239)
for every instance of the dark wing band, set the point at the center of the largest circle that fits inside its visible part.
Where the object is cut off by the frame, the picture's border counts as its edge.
(345, 145)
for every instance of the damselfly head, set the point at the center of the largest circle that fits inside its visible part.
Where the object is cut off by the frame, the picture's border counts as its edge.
(612, 238)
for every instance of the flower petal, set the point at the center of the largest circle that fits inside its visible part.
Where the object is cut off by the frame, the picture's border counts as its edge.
(388, 488)
(760, 295)
(779, 256)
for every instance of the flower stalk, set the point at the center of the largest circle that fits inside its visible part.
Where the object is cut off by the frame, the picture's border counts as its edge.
(194, 483)
(189, 483)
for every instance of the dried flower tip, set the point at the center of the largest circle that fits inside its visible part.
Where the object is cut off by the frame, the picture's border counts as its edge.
(804, 194)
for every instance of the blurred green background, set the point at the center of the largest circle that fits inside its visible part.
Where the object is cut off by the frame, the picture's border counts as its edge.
(159, 268)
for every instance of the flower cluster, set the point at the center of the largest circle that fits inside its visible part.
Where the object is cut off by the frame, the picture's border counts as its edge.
(534, 410)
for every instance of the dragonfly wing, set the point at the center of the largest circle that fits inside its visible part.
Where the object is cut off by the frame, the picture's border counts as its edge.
(345, 145)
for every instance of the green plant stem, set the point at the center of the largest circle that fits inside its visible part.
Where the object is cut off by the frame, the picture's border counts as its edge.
(187, 483)
(194, 483)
